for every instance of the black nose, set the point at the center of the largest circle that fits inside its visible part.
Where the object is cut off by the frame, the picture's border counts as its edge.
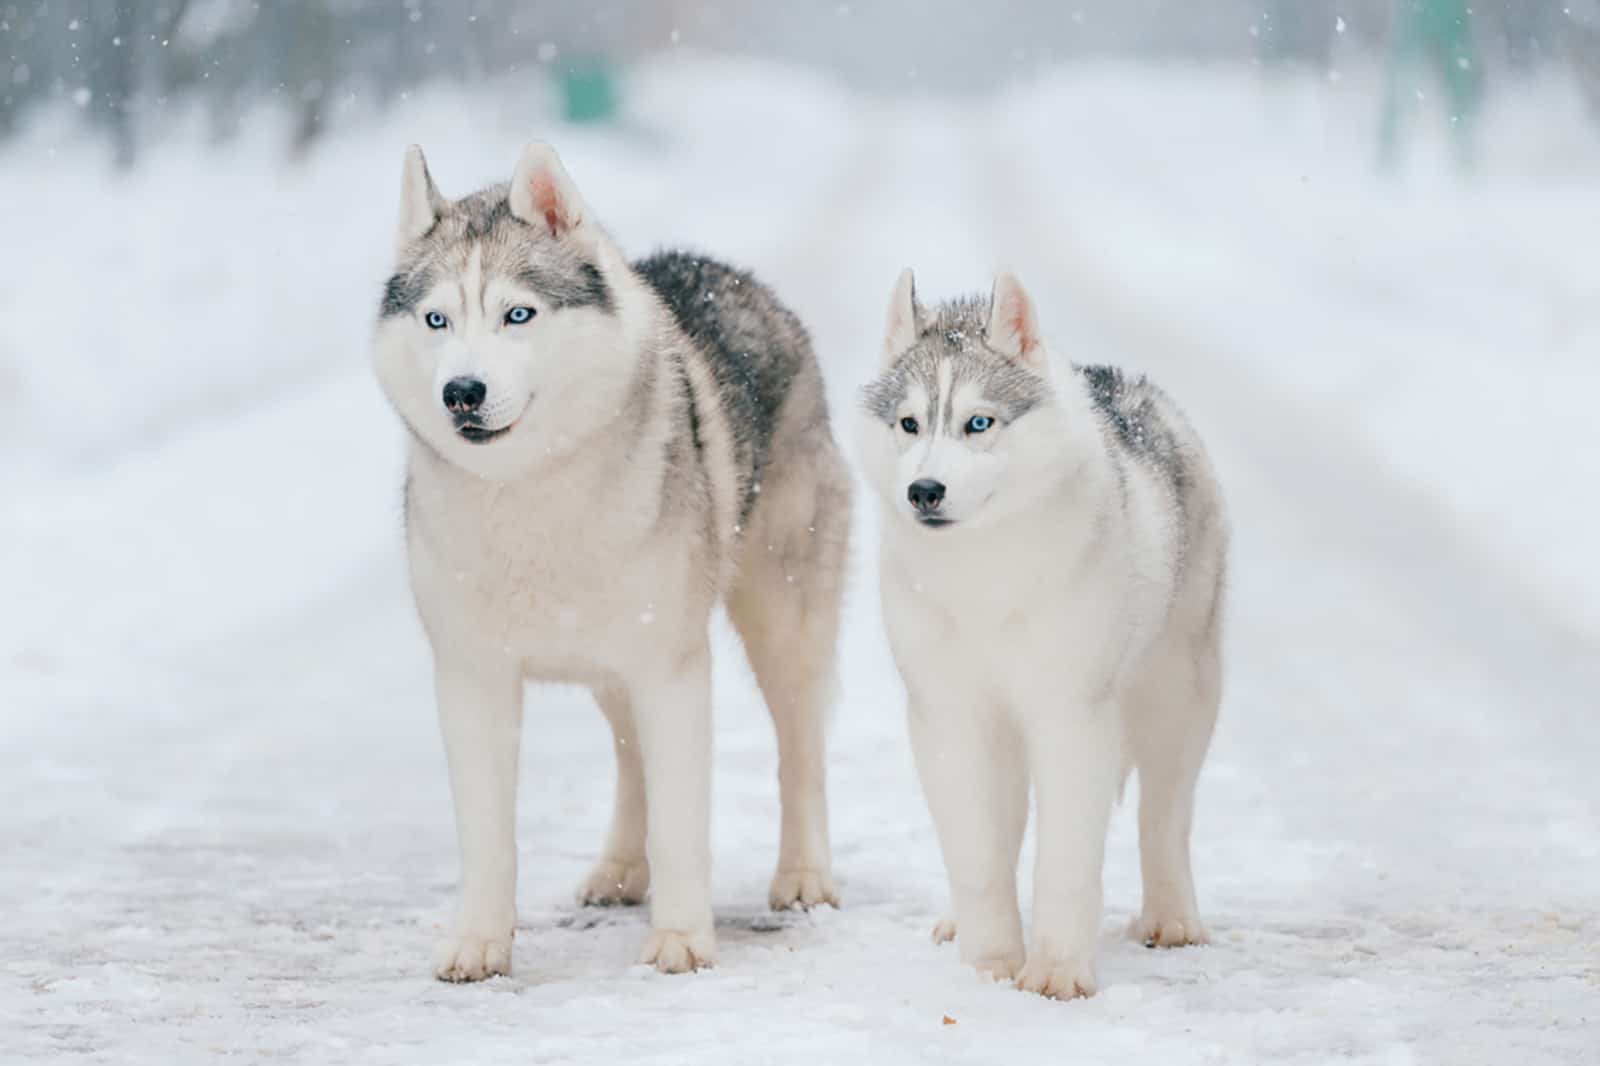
(464, 395)
(926, 494)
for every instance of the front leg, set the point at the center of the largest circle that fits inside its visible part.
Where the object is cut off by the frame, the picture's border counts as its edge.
(480, 713)
(977, 790)
(1076, 756)
(673, 717)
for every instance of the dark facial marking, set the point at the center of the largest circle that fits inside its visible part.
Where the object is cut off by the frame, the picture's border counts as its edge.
(882, 398)
(596, 291)
(478, 434)
(564, 287)
(403, 292)
(1013, 389)
(954, 334)
(554, 269)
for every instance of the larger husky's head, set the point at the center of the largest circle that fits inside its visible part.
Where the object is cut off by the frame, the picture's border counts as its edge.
(959, 433)
(498, 337)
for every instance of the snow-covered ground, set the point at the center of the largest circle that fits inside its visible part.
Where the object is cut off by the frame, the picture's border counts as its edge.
(224, 819)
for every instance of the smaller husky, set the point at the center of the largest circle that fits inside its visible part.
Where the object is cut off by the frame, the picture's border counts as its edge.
(600, 451)
(1052, 576)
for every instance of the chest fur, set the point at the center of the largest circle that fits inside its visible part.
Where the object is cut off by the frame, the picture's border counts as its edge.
(1013, 617)
(570, 576)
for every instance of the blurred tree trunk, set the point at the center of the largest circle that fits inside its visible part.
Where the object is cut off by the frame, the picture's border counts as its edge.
(112, 84)
(309, 53)
(170, 73)
(1299, 33)
(1583, 52)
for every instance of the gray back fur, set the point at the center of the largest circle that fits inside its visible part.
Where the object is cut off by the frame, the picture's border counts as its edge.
(752, 344)
(1144, 427)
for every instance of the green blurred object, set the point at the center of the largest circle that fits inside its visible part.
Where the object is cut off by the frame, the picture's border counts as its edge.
(589, 89)
(1436, 34)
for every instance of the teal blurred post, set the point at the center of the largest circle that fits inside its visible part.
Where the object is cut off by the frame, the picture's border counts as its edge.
(1436, 34)
(589, 89)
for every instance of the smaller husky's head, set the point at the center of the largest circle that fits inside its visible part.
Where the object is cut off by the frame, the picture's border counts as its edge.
(955, 434)
(498, 339)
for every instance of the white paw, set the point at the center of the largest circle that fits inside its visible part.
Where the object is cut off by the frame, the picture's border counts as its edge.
(1169, 930)
(944, 930)
(471, 958)
(804, 888)
(674, 951)
(614, 881)
(998, 965)
(1058, 977)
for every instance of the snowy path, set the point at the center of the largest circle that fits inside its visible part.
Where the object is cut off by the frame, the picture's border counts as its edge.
(226, 824)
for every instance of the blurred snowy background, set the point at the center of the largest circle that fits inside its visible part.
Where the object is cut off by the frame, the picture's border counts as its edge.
(1355, 238)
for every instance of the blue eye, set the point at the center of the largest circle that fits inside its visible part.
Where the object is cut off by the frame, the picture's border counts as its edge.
(435, 320)
(909, 425)
(518, 315)
(979, 423)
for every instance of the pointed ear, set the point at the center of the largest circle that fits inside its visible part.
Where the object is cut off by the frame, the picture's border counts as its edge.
(542, 194)
(420, 202)
(904, 323)
(1013, 328)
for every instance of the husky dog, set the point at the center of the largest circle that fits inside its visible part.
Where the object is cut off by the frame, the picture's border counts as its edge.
(1052, 569)
(600, 452)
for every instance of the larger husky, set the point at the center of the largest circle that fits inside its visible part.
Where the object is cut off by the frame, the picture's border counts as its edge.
(599, 451)
(1052, 571)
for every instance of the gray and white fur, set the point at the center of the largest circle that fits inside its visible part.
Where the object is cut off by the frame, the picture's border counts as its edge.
(1052, 570)
(600, 452)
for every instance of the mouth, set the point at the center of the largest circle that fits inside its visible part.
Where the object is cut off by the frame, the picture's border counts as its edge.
(933, 521)
(478, 433)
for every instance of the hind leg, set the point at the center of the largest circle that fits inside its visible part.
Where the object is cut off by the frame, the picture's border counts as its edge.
(786, 607)
(621, 874)
(1170, 726)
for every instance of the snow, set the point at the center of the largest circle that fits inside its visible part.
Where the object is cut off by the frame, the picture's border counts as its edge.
(226, 825)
